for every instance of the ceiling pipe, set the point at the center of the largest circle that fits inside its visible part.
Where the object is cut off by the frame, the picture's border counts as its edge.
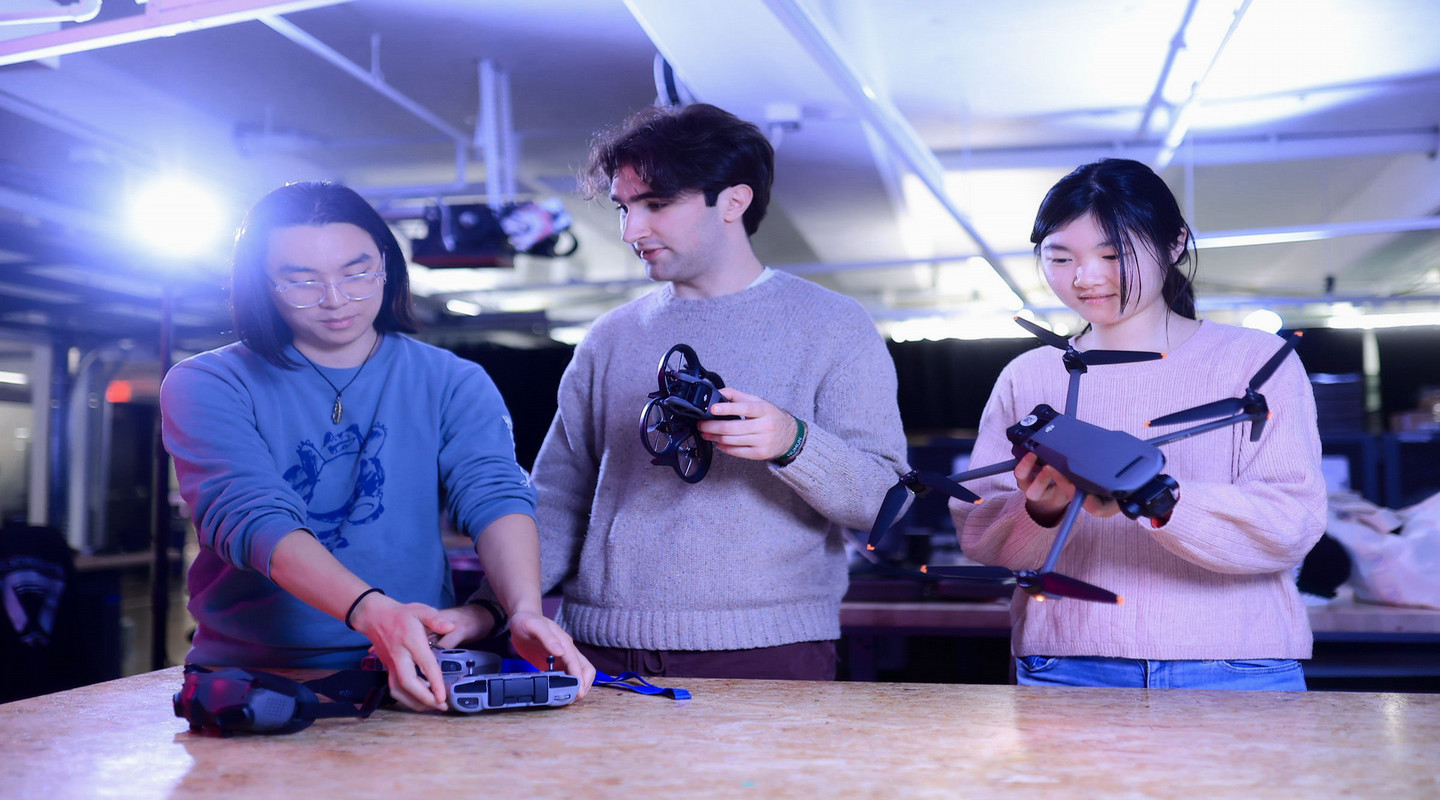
(1210, 240)
(371, 78)
(87, 11)
(1285, 234)
(1180, 120)
(1157, 97)
(495, 134)
(884, 119)
(1213, 150)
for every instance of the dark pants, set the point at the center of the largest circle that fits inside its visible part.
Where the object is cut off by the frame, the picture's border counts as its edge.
(803, 661)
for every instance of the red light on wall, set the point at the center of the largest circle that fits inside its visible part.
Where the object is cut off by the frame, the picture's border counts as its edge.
(119, 392)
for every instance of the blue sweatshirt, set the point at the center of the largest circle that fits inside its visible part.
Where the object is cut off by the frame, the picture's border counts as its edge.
(257, 457)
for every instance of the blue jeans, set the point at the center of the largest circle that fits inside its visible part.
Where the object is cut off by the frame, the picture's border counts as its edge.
(1258, 673)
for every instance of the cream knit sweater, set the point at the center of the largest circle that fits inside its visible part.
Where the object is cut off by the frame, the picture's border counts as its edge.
(1215, 582)
(751, 556)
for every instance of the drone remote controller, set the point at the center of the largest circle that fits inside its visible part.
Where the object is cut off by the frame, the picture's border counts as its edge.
(474, 683)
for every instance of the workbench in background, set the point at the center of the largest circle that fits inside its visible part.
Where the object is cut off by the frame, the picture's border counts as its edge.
(1357, 645)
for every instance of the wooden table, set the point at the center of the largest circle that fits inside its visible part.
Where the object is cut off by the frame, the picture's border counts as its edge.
(748, 739)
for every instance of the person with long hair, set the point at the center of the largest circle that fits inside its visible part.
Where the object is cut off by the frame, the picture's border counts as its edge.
(317, 452)
(1209, 593)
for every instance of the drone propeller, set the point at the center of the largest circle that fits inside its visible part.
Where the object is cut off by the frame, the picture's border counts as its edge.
(1251, 404)
(1076, 361)
(1053, 584)
(1043, 334)
(986, 574)
(1089, 358)
(1039, 584)
(915, 482)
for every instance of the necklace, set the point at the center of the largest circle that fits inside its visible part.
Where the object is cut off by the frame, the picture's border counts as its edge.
(339, 408)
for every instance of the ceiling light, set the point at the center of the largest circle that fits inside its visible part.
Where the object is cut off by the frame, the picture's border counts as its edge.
(1263, 319)
(464, 308)
(176, 217)
(1372, 321)
(568, 334)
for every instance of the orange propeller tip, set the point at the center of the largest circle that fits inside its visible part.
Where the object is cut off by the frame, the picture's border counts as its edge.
(1147, 423)
(869, 546)
(925, 568)
(979, 500)
(1164, 355)
(1270, 415)
(1299, 333)
(1039, 598)
(1119, 601)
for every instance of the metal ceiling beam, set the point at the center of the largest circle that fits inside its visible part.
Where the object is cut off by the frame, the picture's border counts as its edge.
(1157, 97)
(1248, 237)
(886, 121)
(159, 19)
(374, 80)
(1180, 120)
(1308, 233)
(1257, 148)
(290, 31)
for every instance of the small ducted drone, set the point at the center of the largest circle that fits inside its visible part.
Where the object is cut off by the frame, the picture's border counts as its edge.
(667, 423)
(1100, 462)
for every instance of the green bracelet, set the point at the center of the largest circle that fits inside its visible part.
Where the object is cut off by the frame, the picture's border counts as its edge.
(795, 446)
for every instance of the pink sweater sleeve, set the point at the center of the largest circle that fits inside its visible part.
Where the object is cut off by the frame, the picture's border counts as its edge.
(1269, 517)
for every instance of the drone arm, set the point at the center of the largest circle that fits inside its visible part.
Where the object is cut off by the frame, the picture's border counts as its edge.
(1072, 391)
(1196, 430)
(1072, 512)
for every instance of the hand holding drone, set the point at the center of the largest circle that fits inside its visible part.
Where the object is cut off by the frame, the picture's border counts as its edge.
(667, 423)
(1099, 462)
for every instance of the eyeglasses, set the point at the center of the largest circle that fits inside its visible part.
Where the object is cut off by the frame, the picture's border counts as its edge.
(308, 294)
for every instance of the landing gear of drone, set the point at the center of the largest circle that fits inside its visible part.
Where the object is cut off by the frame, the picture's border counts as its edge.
(668, 420)
(1101, 462)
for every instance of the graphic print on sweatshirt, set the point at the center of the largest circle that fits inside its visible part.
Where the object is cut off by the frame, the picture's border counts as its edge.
(342, 482)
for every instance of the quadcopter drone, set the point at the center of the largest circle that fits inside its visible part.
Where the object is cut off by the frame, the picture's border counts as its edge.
(1100, 462)
(667, 423)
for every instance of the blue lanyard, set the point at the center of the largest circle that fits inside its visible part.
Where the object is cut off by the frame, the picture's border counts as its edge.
(621, 681)
(643, 687)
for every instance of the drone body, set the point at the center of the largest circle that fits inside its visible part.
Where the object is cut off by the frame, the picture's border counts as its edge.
(667, 422)
(1099, 462)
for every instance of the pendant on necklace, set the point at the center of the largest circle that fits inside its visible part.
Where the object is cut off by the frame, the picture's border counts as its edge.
(336, 411)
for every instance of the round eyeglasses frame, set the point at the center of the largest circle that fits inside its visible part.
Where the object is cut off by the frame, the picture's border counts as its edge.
(366, 285)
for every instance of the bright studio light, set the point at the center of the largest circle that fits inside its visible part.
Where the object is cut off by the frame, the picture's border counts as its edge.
(1263, 319)
(176, 217)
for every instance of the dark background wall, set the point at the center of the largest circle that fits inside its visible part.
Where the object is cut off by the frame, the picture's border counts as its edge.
(943, 385)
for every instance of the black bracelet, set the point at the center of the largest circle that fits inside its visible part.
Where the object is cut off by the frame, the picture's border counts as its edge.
(356, 604)
(496, 613)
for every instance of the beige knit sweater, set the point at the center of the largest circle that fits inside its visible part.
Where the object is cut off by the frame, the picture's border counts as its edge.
(752, 556)
(1216, 582)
